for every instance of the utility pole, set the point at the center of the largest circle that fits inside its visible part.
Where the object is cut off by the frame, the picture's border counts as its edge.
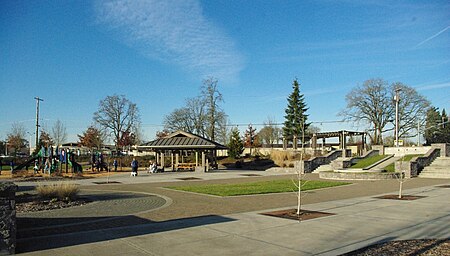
(37, 120)
(397, 99)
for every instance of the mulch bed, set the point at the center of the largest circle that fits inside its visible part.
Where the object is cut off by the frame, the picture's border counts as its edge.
(189, 178)
(33, 203)
(422, 247)
(404, 197)
(107, 182)
(444, 186)
(292, 214)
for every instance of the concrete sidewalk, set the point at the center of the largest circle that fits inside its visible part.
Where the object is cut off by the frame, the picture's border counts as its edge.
(358, 222)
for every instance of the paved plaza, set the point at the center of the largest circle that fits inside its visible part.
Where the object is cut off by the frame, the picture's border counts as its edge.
(140, 216)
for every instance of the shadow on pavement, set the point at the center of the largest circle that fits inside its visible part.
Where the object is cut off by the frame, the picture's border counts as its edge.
(91, 230)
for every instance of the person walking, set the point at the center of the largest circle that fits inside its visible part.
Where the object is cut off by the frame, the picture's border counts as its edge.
(134, 167)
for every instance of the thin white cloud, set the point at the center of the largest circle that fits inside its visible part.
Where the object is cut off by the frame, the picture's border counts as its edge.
(433, 86)
(174, 31)
(432, 37)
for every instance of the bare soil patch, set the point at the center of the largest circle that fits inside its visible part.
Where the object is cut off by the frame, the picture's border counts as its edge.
(422, 247)
(404, 197)
(444, 186)
(292, 214)
(251, 175)
(33, 203)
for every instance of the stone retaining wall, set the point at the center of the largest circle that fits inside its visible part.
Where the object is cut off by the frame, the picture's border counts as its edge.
(357, 176)
(7, 218)
(313, 163)
(416, 165)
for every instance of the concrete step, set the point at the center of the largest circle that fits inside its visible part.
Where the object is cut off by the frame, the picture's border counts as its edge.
(435, 171)
(431, 167)
(434, 176)
(323, 168)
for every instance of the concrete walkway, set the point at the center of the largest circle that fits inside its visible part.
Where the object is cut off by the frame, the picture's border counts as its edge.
(357, 222)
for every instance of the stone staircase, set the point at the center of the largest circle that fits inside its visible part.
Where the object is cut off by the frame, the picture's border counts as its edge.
(327, 167)
(439, 168)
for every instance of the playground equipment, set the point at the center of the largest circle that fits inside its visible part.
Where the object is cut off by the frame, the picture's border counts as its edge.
(48, 160)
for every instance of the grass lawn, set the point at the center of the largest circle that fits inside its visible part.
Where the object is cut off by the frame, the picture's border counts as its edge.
(391, 167)
(368, 161)
(261, 187)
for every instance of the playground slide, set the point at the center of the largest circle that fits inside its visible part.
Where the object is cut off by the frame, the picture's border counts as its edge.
(29, 162)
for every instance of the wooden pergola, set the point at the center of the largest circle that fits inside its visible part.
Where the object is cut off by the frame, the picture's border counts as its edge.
(180, 142)
(342, 135)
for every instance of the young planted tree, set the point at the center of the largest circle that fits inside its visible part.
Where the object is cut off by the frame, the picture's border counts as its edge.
(235, 146)
(250, 137)
(299, 183)
(295, 123)
(117, 115)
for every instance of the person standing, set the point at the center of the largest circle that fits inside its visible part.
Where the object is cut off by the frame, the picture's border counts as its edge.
(115, 165)
(134, 167)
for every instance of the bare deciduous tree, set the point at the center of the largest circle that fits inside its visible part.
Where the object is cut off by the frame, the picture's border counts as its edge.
(201, 115)
(212, 97)
(412, 108)
(59, 133)
(372, 104)
(270, 133)
(190, 118)
(117, 115)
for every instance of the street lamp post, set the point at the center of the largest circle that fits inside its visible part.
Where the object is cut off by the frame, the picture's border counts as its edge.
(397, 99)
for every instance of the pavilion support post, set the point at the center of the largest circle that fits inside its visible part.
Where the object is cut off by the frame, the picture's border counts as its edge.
(162, 161)
(323, 144)
(203, 160)
(344, 146)
(196, 158)
(177, 158)
(171, 158)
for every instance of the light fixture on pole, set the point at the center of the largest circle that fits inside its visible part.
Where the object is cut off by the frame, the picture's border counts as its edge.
(397, 99)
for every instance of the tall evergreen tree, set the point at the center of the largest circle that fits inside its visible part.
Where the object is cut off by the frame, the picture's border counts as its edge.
(235, 146)
(445, 128)
(432, 129)
(296, 117)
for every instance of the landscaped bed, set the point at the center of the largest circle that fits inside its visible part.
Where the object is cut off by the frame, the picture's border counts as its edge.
(363, 163)
(261, 187)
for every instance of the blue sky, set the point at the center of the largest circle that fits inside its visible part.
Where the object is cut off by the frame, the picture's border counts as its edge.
(156, 53)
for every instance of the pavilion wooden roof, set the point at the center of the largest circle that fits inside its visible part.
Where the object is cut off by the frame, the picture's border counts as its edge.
(182, 140)
(337, 134)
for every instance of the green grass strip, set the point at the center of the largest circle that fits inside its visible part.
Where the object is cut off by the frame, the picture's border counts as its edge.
(363, 163)
(261, 187)
(391, 167)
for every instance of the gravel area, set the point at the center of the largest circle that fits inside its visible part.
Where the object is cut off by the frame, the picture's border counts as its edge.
(422, 247)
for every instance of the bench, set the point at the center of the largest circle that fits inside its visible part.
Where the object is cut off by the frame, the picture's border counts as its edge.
(185, 166)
